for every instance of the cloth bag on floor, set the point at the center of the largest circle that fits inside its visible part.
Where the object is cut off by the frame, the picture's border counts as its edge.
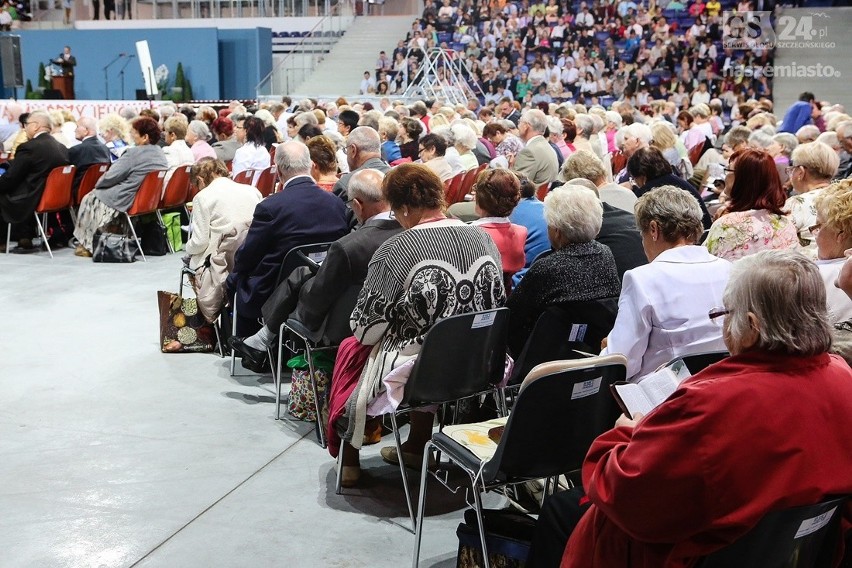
(300, 404)
(182, 328)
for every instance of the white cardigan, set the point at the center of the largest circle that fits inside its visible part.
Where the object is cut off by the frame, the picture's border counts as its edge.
(662, 310)
(218, 209)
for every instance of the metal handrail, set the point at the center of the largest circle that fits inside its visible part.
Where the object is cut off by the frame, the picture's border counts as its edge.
(297, 49)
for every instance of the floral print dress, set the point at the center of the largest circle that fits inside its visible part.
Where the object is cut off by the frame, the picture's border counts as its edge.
(735, 235)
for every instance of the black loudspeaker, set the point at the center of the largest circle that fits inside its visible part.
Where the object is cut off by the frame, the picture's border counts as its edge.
(52, 94)
(141, 95)
(10, 59)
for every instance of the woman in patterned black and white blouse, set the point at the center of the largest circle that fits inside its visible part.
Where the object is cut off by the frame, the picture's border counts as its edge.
(436, 268)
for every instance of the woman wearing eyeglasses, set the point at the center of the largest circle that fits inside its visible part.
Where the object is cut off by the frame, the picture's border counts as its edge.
(662, 310)
(754, 219)
(812, 165)
(833, 236)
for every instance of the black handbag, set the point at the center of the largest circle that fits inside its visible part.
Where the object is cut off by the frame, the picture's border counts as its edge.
(112, 247)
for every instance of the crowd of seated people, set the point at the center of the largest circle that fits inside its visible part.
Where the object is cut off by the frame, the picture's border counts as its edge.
(588, 52)
(620, 218)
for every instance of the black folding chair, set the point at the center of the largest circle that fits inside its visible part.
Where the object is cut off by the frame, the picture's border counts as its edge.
(567, 331)
(560, 410)
(801, 537)
(311, 255)
(697, 362)
(462, 356)
(334, 330)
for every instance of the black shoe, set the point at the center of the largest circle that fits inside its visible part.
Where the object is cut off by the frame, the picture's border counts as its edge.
(25, 246)
(253, 359)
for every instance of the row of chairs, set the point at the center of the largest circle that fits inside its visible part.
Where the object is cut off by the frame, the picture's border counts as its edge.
(265, 180)
(460, 185)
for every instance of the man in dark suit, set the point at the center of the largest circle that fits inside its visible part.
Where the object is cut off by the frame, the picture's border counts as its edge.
(67, 62)
(301, 213)
(509, 112)
(90, 150)
(23, 183)
(345, 266)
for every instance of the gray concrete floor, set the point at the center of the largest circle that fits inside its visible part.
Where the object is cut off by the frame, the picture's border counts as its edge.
(113, 454)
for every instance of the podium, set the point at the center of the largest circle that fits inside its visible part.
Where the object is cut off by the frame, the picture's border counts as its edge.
(64, 85)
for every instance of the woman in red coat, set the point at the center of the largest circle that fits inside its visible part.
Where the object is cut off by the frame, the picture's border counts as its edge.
(766, 429)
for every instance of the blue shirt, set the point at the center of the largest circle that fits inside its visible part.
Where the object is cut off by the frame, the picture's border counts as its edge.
(530, 214)
(390, 151)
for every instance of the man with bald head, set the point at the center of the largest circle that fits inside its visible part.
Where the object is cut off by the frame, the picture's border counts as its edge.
(23, 183)
(363, 150)
(300, 213)
(89, 151)
(345, 267)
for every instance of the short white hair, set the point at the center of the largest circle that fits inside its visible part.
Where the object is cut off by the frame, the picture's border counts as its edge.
(464, 136)
(200, 129)
(366, 139)
(554, 125)
(536, 119)
(760, 138)
(613, 117)
(265, 116)
(575, 211)
(807, 133)
(640, 131)
(293, 158)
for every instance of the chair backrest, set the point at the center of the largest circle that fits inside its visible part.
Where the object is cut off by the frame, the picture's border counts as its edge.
(311, 255)
(89, 180)
(177, 190)
(697, 362)
(266, 181)
(542, 190)
(801, 537)
(467, 181)
(561, 330)
(695, 153)
(148, 195)
(461, 356)
(453, 193)
(57, 190)
(245, 176)
(561, 408)
(619, 160)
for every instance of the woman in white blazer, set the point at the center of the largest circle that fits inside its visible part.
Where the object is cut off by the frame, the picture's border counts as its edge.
(222, 212)
(664, 305)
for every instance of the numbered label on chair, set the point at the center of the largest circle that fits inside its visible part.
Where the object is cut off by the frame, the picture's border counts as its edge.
(809, 526)
(317, 257)
(586, 388)
(483, 320)
(67, 169)
(578, 332)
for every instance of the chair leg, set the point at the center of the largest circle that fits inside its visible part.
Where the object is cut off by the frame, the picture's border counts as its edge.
(234, 334)
(313, 376)
(403, 472)
(338, 488)
(135, 238)
(278, 371)
(42, 223)
(163, 225)
(219, 346)
(421, 506)
(477, 501)
(8, 237)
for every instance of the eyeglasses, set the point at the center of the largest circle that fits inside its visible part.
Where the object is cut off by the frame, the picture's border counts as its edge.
(814, 229)
(717, 313)
(728, 170)
(239, 127)
(391, 214)
(349, 203)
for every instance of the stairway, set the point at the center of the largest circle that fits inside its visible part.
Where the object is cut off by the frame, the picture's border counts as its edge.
(835, 29)
(341, 72)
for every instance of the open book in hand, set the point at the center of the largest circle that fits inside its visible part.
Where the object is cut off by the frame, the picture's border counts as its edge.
(647, 394)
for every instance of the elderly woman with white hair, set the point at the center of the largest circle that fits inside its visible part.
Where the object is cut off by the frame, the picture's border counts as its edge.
(812, 167)
(115, 131)
(464, 141)
(662, 311)
(577, 269)
(766, 429)
(197, 136)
